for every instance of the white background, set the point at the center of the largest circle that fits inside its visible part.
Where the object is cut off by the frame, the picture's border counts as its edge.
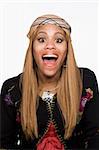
(16, 18)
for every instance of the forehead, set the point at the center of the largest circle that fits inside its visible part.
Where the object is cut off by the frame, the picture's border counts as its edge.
(47, 28)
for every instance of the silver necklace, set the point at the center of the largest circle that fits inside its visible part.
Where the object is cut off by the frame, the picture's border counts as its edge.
(47, 96)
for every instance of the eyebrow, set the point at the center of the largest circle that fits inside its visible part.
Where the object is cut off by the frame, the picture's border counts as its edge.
(42, 32)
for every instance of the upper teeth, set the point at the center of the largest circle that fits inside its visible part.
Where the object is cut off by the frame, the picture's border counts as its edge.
(50, 56)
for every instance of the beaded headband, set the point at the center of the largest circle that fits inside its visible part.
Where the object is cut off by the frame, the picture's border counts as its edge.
(52, 20)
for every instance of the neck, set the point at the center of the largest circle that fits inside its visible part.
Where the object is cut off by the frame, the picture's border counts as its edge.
(48, 83)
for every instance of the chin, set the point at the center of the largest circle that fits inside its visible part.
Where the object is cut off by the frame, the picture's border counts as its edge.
(50, 74)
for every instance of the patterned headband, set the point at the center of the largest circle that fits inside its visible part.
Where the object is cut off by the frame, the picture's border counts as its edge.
(57, 21)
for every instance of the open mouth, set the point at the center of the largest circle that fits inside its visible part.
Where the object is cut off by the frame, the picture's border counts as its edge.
(51, 57)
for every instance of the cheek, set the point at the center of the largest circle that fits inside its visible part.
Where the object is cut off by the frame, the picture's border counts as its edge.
(62, 47)
(63, 55)
(35, 50)
(63, 51)
(37, 55)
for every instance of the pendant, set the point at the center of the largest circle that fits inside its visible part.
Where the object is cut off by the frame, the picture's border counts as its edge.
(47, 96)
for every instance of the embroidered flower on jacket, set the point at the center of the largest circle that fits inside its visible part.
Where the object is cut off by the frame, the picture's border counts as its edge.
(84, 99)
(8, 100)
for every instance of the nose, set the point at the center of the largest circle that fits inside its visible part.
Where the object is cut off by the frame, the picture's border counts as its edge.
(50, 45)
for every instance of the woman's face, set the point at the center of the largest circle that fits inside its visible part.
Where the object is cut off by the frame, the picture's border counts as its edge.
(49, 49)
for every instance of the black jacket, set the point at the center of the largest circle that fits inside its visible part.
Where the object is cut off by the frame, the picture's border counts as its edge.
(85, 134)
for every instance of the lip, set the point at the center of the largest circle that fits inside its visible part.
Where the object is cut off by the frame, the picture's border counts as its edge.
(54, 56)
(50, 60)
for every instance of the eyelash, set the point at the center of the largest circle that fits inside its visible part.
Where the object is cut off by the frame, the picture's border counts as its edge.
(41, 40)
(58, 40)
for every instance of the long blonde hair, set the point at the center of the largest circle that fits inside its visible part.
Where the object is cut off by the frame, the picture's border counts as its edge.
(68, 93)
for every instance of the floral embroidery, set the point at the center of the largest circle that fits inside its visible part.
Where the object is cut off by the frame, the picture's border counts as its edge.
(84, 99)
(8, 100)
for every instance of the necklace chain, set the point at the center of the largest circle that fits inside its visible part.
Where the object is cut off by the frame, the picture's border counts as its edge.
(51, 90)
(47, 96)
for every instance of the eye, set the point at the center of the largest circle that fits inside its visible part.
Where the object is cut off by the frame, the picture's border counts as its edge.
(41, 40)
(59, 40)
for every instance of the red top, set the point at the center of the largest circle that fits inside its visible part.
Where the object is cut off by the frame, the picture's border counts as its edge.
(50, 141)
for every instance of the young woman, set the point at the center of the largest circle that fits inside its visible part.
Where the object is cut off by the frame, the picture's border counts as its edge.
(53, 104)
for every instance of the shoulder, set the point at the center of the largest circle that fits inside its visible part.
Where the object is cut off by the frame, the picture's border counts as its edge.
(11, 82)
(89, 103)
(88, 77)
(87, 72)
(11, 88)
